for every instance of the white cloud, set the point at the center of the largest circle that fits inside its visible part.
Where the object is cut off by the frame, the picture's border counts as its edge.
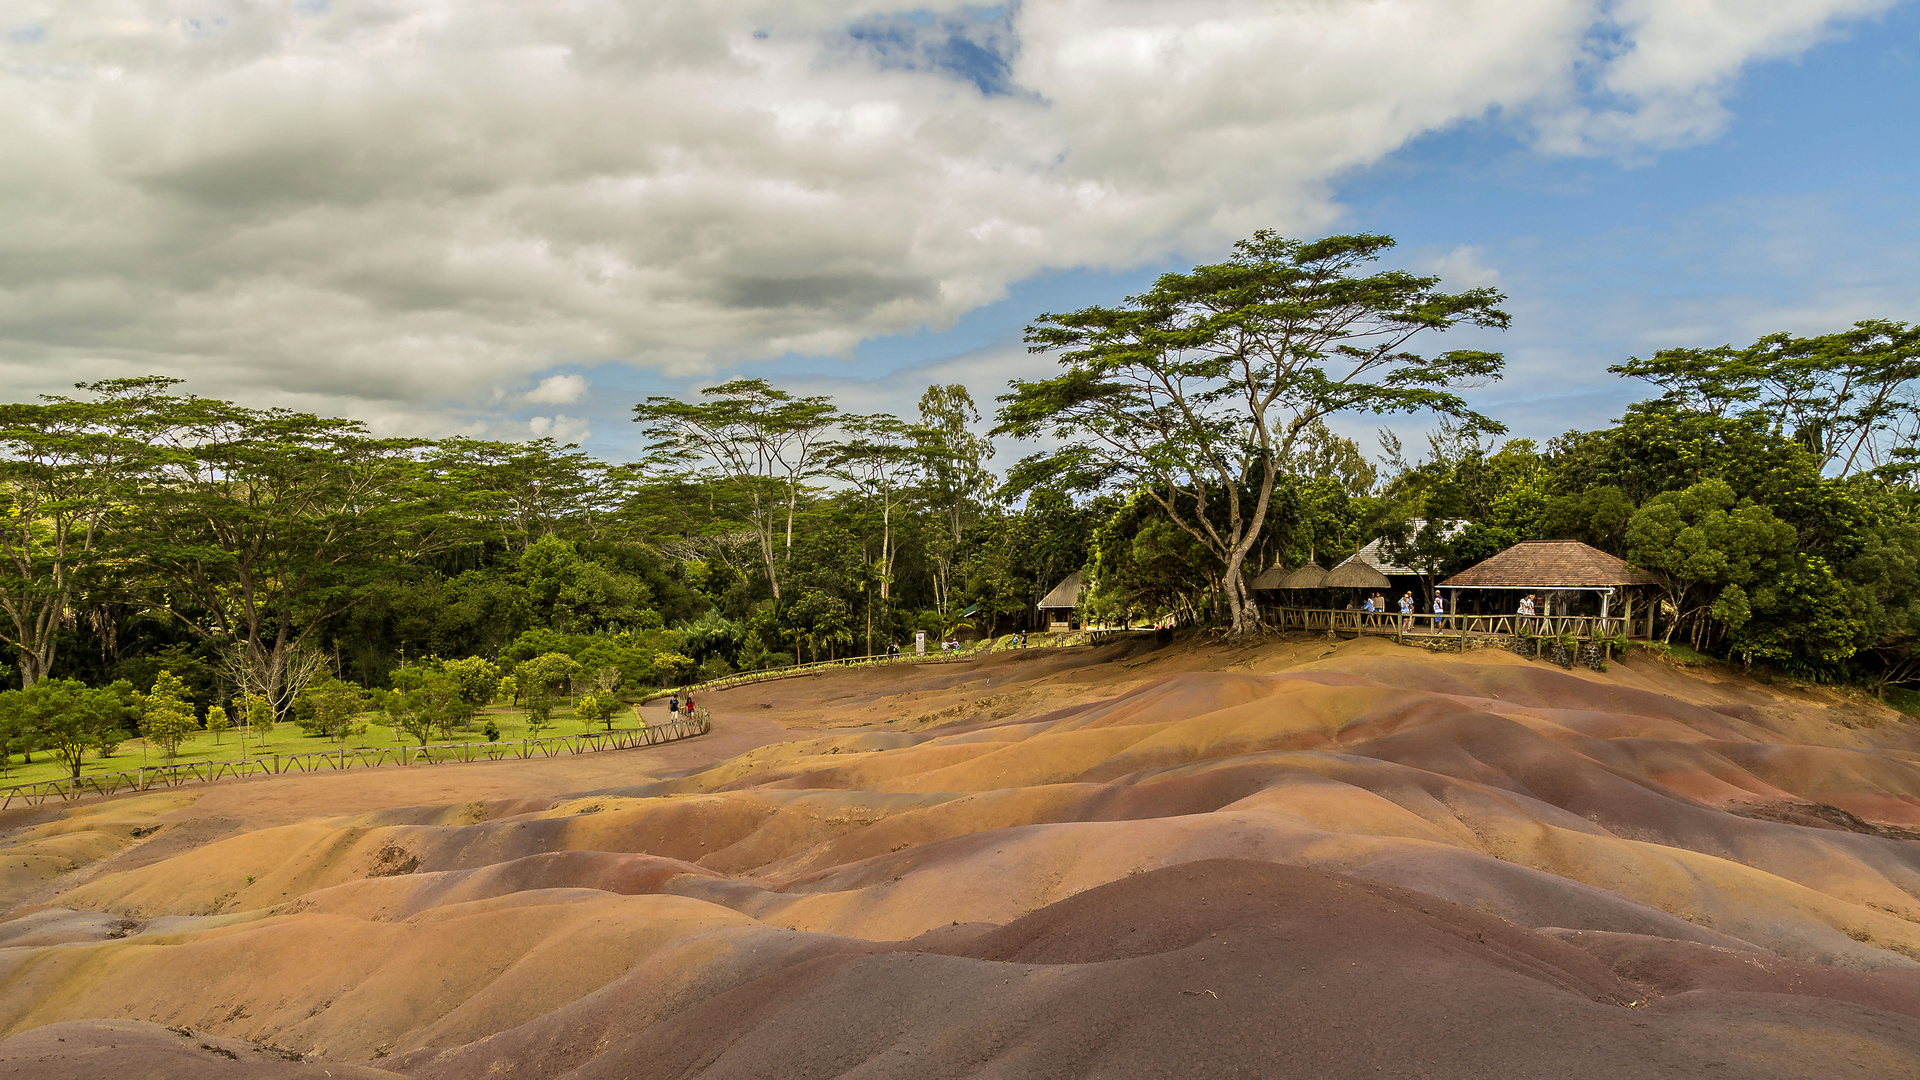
(392, 207)
(561, 428)
(558, 390)
(1465, 267)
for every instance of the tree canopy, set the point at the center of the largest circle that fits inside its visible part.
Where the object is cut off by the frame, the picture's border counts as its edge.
(170, 562)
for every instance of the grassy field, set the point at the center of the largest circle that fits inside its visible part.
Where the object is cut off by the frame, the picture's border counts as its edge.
(288, 739)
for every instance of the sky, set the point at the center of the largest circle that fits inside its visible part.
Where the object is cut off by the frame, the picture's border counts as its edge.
(515, 220)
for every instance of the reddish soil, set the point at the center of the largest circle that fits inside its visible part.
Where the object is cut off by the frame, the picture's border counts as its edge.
(1296, 859)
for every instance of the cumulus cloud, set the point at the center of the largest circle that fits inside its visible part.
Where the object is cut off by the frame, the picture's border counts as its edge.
(558, 390)
(564, 429)
(1465, 267)
(394, 208)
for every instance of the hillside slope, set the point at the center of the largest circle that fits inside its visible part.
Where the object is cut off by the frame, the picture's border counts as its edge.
(1298, 858)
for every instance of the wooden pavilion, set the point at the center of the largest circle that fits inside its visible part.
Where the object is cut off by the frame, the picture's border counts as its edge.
(1584, 593)
(1567, 575)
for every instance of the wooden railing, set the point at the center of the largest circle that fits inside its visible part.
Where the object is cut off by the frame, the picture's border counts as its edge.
(1394, 624)
(149, 777)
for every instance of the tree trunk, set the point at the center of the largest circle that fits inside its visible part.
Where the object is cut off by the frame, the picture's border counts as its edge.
(35, 663)
(1240, 602)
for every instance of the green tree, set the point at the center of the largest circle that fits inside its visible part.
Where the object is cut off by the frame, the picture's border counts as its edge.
(540, 678)
(267, 524)
(259, 717)
(673, 668)
(954, 478)
(328, 708)
(1702, 540)
(591, 710)
(1321, 453)
(217, 722)
(67, 470)
(764, 442)
(434, 698)
(1847, 397)
(881, 460)
(1200, 388)
(521, 492)
(1802, 614)
(476, 679)
(68, 717)
(410, 712)
(167, 714)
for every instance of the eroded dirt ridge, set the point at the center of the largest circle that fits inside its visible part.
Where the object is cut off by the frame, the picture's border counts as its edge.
(1294, 860)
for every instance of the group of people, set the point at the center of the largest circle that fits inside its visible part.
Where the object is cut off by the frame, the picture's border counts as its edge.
(1376, 606)
(674, 707)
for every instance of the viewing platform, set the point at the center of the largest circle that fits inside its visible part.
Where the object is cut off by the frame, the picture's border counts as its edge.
(1393, 624)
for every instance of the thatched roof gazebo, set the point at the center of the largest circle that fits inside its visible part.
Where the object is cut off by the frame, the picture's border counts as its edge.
(1355, 574)
(1269, 579)
(1558, 566)
(1310, 576)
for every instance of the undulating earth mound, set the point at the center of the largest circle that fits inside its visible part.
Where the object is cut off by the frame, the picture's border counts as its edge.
(1298, 859)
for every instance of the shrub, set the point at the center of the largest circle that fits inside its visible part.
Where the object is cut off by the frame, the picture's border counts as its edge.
(166, 717)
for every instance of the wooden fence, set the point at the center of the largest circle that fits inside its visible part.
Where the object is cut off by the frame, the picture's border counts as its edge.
(149, 777)
(1394, 624)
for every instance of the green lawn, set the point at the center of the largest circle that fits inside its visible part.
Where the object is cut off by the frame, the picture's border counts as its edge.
(288, 739)
(1904, 699)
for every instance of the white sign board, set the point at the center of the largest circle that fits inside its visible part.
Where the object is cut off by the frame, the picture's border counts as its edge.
(920, 643)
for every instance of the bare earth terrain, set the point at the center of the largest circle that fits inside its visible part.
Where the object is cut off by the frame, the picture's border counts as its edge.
(1297, 859)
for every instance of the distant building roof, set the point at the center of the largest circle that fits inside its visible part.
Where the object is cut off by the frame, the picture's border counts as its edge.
(1377, 556)
(1064, 595)
(1550, 564)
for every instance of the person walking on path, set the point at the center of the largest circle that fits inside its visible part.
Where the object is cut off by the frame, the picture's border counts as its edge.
(689, 706)
(1439, 612)
(1406, 611)
(673, 705)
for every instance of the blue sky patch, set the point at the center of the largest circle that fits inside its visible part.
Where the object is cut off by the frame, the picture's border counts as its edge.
(975, 45)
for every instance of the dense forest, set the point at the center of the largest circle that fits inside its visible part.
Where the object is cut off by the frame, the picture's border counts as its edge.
(222, 560)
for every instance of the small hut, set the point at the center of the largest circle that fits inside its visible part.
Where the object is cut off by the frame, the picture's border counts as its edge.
(1564, 571)
(1056, 608)
(1310, 576)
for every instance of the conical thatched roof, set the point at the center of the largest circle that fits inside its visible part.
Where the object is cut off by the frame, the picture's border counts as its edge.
(1064, 595)
(1550, 564)
(1354, 574)
(1310, 576)
(1269, 579)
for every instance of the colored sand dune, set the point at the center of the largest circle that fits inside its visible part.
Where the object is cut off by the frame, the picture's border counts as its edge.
(1296, 860)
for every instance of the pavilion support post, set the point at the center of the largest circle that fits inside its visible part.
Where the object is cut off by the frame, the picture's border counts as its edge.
(1607, 648)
